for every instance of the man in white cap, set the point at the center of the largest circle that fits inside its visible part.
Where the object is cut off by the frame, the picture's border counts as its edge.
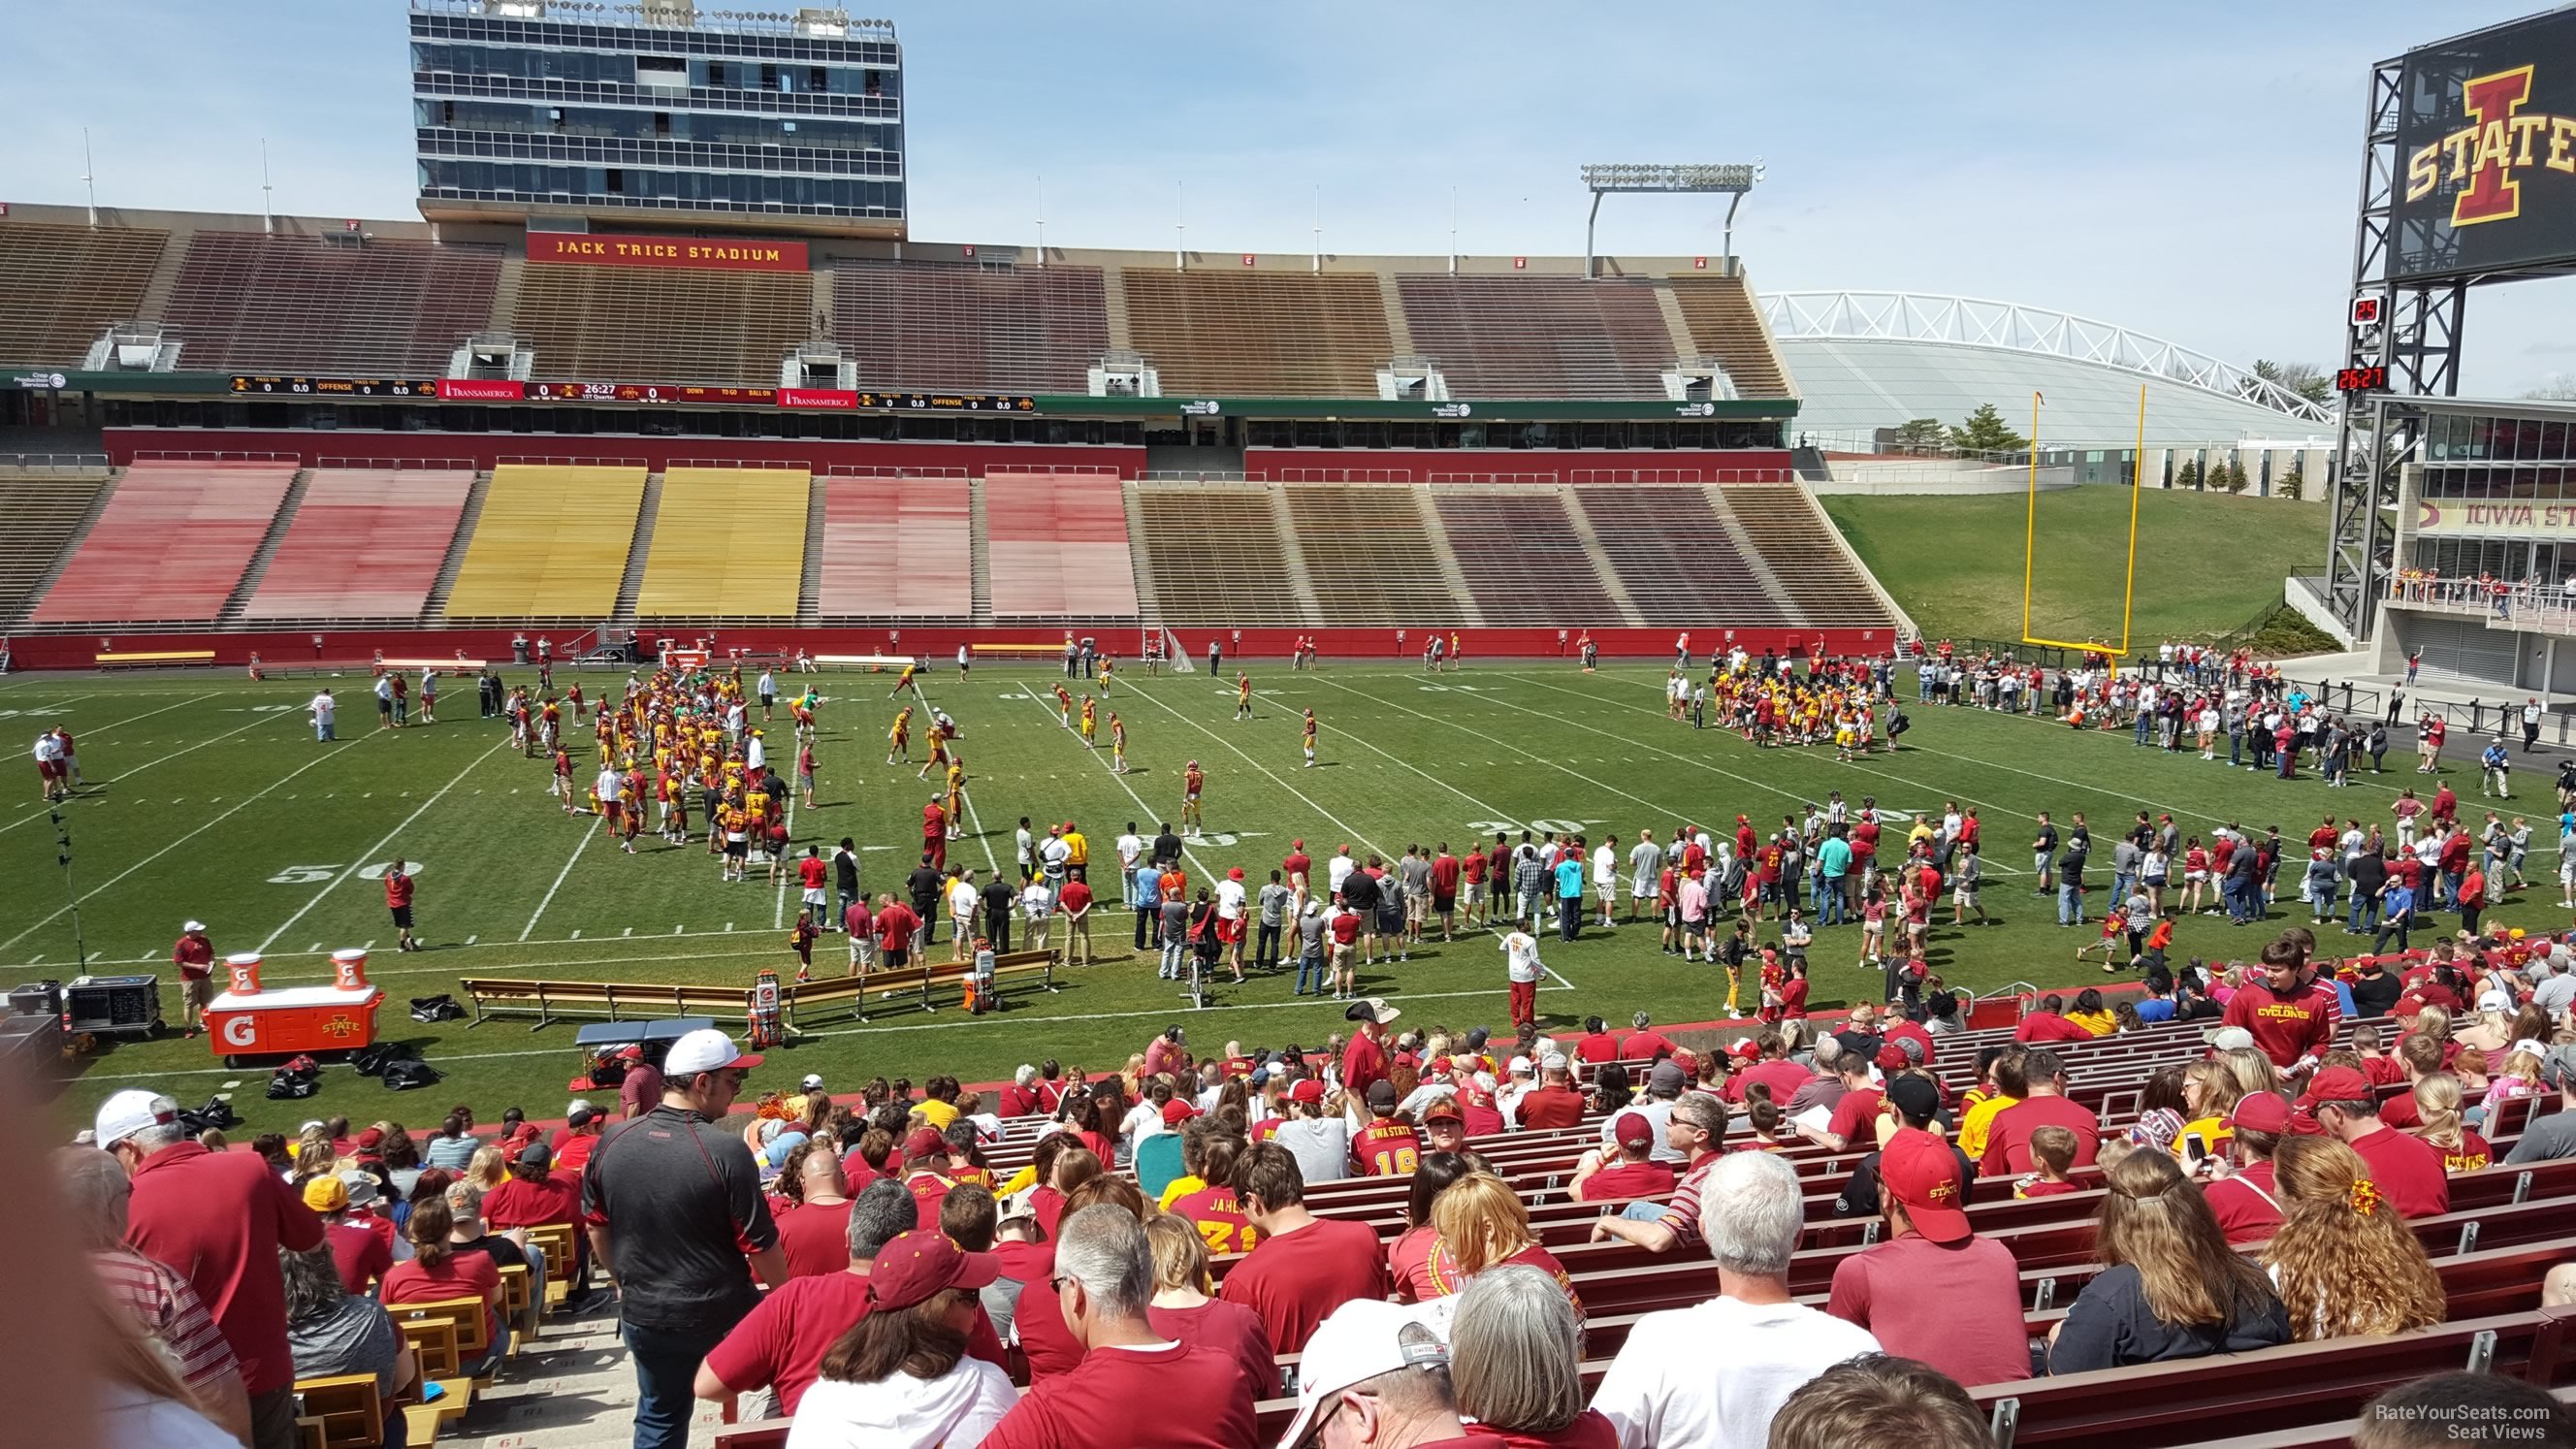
(95, 1189)
(1376, 1373)
(674, 1205)
(217, 1219)
(194, 955)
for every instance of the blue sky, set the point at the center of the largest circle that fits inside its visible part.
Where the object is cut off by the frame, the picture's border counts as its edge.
(2184, 169)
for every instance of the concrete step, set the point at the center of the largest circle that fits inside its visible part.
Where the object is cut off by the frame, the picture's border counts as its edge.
(435, 611)
(637, 553)
(259, 562)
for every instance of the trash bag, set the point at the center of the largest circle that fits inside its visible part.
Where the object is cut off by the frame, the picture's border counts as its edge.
(441, 1007)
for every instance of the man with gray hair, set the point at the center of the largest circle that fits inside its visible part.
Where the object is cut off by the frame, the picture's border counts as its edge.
(160, 1302)
(218, 1219)
(1134, 1387)
(782, 1343)
(2553, 989)
(1665, 1389)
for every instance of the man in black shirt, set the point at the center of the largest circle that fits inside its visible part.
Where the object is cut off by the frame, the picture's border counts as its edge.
(845, 878)
(2375, 989)
(2369, 872)
(1360, 893)
(925, 887)
(675, 1207)
(1167, 846)
(999, 898)
(2043, 853)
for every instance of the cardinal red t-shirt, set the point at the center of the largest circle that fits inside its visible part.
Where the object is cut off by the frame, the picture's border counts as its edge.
(1628, 1179)
(1295, 1280)
(1387, 1148)
(2048, 1026)
(1173, 1396)
(360, 1252)
(1219, 1219)
(816, 1238)
(1408, 1263)
(812, 871)
(1227, 1328)
(1550, 1107)
(1855, 1115)
(2008, 1140)
(516, 1204)
(783, 1341)
(2408, 1171)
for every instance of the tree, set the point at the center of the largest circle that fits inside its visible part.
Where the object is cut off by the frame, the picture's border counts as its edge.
(2189, 475)
(2304, 378)
(2236, 478)
(1921, 435)
(2557, 387)
(2293, 484)
(1986, 432)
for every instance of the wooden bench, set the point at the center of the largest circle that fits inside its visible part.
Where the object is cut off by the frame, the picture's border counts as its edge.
(152, 658)
(550, 1001)
(857, 994)
(344, 1408)
(562, 1248)
(446, 1335)
(1056, 649)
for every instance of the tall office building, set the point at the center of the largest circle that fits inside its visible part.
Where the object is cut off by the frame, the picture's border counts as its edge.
(658, 112)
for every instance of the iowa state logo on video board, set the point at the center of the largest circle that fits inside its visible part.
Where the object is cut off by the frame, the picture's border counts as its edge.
(2488, 142)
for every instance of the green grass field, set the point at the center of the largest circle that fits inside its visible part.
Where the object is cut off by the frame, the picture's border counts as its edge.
(1916, 544)
(210, 798)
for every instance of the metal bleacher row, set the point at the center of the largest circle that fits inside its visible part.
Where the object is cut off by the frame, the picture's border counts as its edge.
(558, 542)
(2506, 1227)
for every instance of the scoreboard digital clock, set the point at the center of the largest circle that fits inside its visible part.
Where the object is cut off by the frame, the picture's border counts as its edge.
(335, 386)
(2361, 379)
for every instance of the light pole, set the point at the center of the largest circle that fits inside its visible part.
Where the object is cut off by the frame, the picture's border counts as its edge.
(1733, 179)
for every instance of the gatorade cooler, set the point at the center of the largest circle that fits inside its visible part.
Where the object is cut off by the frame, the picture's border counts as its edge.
(250, 1021)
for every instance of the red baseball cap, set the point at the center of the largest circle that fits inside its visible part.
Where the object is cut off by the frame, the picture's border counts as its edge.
(1443, 1107)
(1633, 1130)
(1892, 1058)
(2341, 1084)
(1745, 1047)
(1176, 1112)
(2261, 1112)
(1923, 1173)
(1307, 1089)
(924, 1142)
(914, 1266)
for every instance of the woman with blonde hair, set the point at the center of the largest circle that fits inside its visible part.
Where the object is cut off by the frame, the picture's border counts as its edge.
(2170, 1286)
(1515, 1360)
(1483, 1224)
(2432, 1021)
(1183, 1312)
(314, 1155)
(488, 1170)
(2518, 1078)
(2211, 1089)
(2438, 1100)
(2343, 1259)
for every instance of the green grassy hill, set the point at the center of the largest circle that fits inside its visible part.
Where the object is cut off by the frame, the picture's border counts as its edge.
(2207, 563)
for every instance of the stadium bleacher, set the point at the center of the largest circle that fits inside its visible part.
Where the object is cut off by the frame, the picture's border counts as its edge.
(1258, 334)
(1726, 323)
(869, 524)
(250, 302)
(171, 545)
(1520, 557)
(1370, 555)
(1534, 337)
(67, 283)
(1056, 545)
(727, 543)
(552, 543)
(1781, 522)
(926, 326)
(1214, 550)
(364, 544)
(1681, 562)
(718, 329)
(38, 515)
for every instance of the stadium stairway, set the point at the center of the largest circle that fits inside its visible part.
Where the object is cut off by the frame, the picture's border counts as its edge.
(1435, 537)
(809, 589)
(1149, 606)
(53, 572)
(1292, 558)
(979, 555)
(1611, 584)
(638, 553)
(1755, 564)
(505, 292)
(1811, 465)
(259, 562)
(435, 610)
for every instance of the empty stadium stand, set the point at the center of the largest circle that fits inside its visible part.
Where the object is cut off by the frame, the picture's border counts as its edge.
(709, 328)
(38, 516)
(931, 326)
(1057, 547)
(1521, 557)
(897, 549)
(1726, 322)
(551, 543)
(66, 284)
(1680, 562)
(250, 302)
(1797, 541)
(1369, 554)
(1259, 334)
(171, 545)
(727, 543)
(1214, 552)
(365, 544)
(1540, 337)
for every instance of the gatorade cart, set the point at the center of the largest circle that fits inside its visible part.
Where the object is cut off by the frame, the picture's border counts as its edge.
(246, 1021)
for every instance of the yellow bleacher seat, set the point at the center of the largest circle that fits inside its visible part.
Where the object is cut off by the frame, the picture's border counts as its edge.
(551, 543)
(727, 542)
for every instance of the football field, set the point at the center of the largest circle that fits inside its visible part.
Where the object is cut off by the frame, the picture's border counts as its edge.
(210, 798)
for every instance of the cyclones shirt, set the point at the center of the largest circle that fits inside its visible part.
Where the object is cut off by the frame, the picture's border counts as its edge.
(2287, 1026)
(1387, 1148)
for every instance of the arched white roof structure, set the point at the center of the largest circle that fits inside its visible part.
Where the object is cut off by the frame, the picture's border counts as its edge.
(1874, 359)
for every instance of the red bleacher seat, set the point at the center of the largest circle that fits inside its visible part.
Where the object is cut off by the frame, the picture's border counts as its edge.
(366, 543)
(171, 545)
(1057, 547)
(871, 524)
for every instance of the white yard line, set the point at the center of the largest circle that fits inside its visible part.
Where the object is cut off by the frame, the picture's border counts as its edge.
(1148, 810)
(1160, 1013)
(993, 862)
(319, 759)
(1274, 779)
(569, 861)
(390, 835)
(122, 775)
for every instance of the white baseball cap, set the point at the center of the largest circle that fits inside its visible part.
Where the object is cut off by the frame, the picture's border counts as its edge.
(130, 1111)
(813, 1082)
(1520, 1067)
(193, 927)
(1361, 1340)
(705, 1050)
